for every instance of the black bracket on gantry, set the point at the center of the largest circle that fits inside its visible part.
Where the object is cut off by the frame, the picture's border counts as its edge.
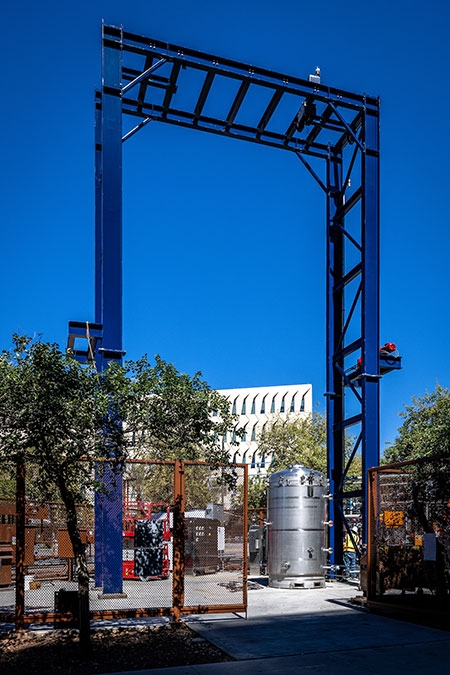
(85, 344)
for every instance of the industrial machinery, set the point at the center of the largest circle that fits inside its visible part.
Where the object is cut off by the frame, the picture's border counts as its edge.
(146, 539)
(257, 548)
(297, 508)
(201, 545)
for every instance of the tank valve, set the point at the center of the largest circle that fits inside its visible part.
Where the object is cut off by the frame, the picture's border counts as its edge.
(285, 566)
(327, 522)
(327, 550)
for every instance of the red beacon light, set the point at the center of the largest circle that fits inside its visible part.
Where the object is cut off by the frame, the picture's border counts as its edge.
(389, 347)
(389, 359)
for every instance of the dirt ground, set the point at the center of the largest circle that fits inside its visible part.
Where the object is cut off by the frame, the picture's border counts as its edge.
(112, 650)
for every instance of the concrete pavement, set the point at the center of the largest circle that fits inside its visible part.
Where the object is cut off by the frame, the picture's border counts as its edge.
(313, 632)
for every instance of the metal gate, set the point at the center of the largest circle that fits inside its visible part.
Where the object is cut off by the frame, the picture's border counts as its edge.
(184, 548)
(409, 533)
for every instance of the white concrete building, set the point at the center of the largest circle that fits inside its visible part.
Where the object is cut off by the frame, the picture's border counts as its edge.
(257, 408)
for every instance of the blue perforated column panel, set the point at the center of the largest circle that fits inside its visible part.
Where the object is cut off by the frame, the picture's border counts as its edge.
(108, 293)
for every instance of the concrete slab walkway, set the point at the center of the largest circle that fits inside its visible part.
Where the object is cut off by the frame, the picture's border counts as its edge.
(316, 631)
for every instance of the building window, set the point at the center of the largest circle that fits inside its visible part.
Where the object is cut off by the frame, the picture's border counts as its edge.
(263, 462)
(224, 437)
(272, 407)
(263, 430)
(233, 411)
(292, 408)
(214, 413)
(254, 433)
(244, 434)
(254, 405)
(283, 400)
(254, 460)
(302, 403)
(244, 406)
(263, 405)
(233, 437)
(235, 458)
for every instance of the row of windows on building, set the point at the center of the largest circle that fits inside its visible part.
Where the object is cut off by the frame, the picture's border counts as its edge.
(262, 462)
(244, 436)
(284, 406)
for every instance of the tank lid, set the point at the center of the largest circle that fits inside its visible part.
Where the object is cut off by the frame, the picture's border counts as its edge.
(297, 474)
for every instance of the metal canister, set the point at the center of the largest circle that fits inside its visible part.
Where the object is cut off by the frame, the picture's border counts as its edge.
(297, 507)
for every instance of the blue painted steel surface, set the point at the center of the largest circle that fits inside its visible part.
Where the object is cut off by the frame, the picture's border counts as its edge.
(98, 210)
(352, 312)
(108, 297)
(335, 388)
(338, 127)
(370, 320)
(108, 309)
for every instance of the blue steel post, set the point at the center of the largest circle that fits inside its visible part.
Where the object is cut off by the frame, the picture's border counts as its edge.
(98, 544)
(98, 213)
(108, 292)
(335, 388)
(329, 364)
(370, 300)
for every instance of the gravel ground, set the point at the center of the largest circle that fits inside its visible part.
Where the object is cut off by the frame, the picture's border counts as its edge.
(112, 650)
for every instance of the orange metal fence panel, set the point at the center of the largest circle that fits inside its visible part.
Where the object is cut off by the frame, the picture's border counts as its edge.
(409, 531)
(184, 547)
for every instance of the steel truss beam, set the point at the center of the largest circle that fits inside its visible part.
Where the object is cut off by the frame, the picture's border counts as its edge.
(334, 133)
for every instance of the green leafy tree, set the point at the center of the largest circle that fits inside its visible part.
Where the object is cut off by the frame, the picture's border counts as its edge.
(257, 492)
(296, 441)
(425, 431)
(7, 482)
(424, 436)
(148, 482)
(288, 442)
(60, 418)
(175, 416)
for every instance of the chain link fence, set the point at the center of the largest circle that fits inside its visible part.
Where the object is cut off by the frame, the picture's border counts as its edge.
(174, 543)
(409, 533)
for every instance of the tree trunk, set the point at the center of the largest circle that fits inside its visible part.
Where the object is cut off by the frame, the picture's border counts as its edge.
(20, 541)
(81, 568)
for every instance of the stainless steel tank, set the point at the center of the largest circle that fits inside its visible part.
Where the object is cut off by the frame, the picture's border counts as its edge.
(297, 507)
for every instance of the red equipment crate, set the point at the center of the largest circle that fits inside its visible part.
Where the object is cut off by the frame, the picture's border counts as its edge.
(146, 538)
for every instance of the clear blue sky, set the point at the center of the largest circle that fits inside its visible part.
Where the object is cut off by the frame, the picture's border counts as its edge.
(224, 242)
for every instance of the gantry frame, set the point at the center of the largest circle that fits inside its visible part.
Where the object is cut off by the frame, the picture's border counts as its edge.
(335, 135)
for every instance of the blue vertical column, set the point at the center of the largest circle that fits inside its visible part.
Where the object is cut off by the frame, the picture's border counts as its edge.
(98, 544)
(370, 301)
(335, 307)
(98, 214)
(108, 291)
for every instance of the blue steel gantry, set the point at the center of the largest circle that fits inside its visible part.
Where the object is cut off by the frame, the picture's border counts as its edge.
(335, 135)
